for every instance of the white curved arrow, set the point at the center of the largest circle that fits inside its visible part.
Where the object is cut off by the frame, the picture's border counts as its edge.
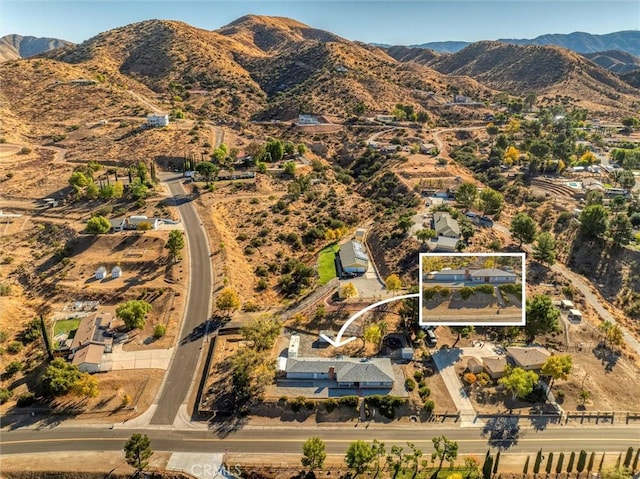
(340, 342)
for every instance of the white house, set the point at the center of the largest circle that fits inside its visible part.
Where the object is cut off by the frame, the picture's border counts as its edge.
(445, 225)
(88, 359)
(116, 272)
(492, 275)
(158, 120)
(101, 272)
(307, 120)
(134, 222)
(575, 316)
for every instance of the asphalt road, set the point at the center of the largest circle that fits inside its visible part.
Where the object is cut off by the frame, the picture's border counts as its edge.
(289, 440)
(179, 377)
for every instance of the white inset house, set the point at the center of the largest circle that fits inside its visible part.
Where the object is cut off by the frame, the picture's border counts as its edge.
(158, 120)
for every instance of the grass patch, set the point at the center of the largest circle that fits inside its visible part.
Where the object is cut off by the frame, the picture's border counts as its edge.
(65, 326)
(326, 263)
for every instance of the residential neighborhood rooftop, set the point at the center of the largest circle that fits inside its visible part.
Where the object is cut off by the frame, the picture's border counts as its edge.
(346, 369)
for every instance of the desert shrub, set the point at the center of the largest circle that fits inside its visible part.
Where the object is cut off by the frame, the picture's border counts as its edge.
(14, 347)
(262, 284)
(159, 331)
(495, 245)
(262, 271)
(349, 401)
(5, 395)
(514, 289)
(25, 399)
(330, 405)
(242, 237)
(484, 288)
(3, 336)
(5, 289)
(13, 367)
(31, 331)
(298, 403)
(429, 406)
(466, 292)
(428, 293)
(445, 292)
(418, 375)
(409, 384)
(470, 378)
(482, 378)
(385, 404)
(25, 150)
(424, 392)
(250, 307)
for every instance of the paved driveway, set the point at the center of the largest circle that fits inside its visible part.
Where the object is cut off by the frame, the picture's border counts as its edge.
(119, 360)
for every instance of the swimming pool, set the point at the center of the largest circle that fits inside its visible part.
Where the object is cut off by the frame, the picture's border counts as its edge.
(575, 184)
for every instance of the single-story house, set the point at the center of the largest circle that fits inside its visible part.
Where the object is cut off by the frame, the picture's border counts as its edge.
(495, 366)
(93, 329)
(158, 120)
(529, 358)
(492, 275)
(353, 257)
(88, 358)
(307, 120)
(374, 373)
(443, 244)
(445, 225)
(567, 304)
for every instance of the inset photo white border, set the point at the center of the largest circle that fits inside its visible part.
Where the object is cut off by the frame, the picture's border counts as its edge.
(425, 321)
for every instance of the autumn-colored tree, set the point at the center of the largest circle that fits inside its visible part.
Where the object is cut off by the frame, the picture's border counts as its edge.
(393, 283)
(349, 290)
(228, 300)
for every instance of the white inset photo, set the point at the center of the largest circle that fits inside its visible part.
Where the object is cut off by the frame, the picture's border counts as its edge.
(479, 289)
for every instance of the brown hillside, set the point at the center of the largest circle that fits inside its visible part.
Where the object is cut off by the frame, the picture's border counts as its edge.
(14, 46)
(544, 69)
(412, 54)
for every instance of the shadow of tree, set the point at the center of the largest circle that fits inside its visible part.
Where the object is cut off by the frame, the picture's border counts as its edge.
(502, 432)
(607, 357)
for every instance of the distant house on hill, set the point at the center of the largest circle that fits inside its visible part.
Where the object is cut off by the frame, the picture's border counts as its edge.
(158, 120)
(307, 120)
(101, 272)
(353, 257)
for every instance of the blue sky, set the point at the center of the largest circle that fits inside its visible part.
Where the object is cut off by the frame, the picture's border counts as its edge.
(381, 21)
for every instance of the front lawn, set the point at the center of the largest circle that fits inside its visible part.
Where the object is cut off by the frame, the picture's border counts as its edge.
(326, 263)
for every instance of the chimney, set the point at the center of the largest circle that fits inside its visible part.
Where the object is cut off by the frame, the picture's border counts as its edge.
(332, 373)
(467, 275)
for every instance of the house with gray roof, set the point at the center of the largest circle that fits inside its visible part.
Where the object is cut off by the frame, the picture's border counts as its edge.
(484, 275)
(353, 257)
(374, 373)
(445, 225)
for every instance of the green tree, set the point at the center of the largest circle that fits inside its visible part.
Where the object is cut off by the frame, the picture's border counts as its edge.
(541, 316)
(275, 148)
(582, 461)
(359, 456)
(262, 331)
(613, 335)
(425, 234)
(572, 460)
(207, 170)
(544, 250)
(620, 229)
(491, 201)
(159, 331)
(549, 465)
(98, 225)
(538, 462)
(313, 453)
(558, 367)
(405, 222)
(137, 451)
(175, 244)
(462, 332)
(79, 180)
(289, 168)
(393, 283)
(627, 457)
(301, 148)
(228, 300)
(560, 461)
(519, 381)
(133, 313)
(466, 195)
(59, 377)
(523, 228)
(445, 450)
(593, 221)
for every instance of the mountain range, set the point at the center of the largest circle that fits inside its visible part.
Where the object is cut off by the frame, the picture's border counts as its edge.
(580, 42)
(17, 46)
(263, 68)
